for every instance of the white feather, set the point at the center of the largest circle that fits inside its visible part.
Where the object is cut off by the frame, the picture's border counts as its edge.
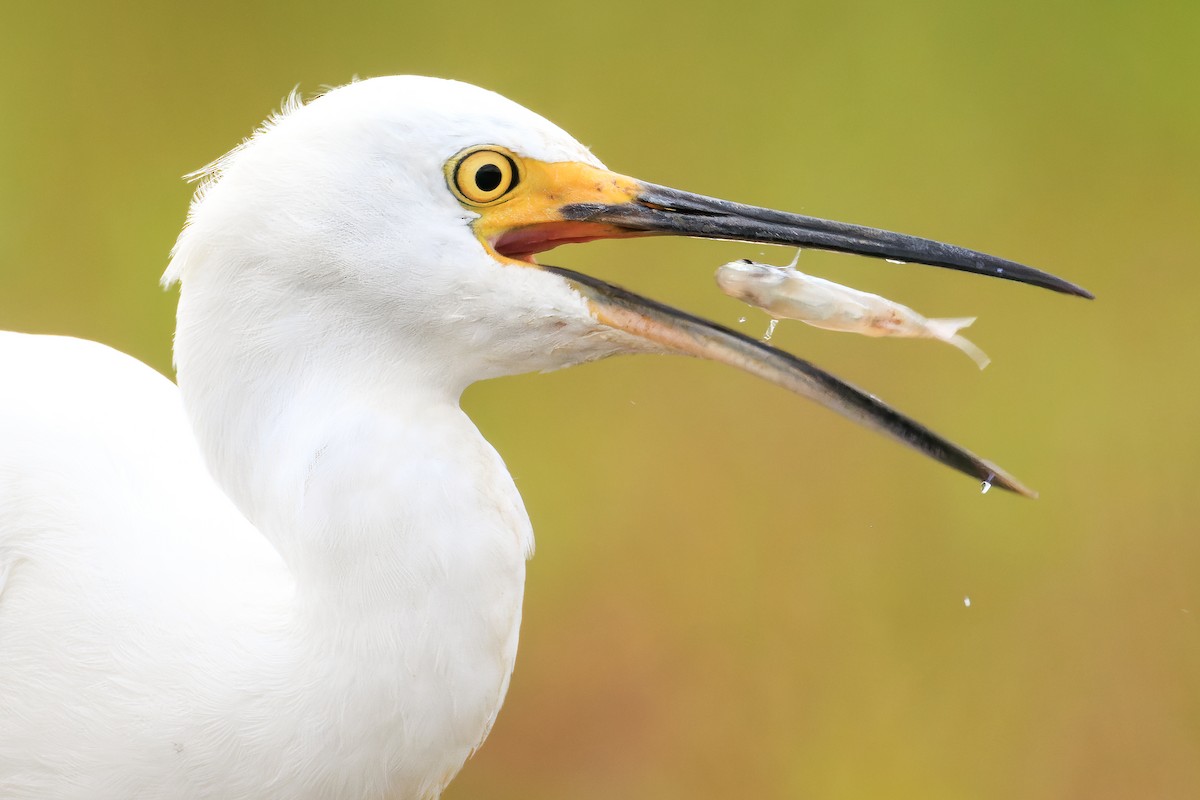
(298, 575)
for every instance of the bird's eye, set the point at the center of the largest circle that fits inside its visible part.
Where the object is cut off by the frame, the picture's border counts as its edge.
(485, 176)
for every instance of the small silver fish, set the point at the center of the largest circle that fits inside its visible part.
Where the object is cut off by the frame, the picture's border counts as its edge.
(786, 292)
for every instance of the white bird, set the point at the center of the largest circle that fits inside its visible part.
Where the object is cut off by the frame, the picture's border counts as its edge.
(299, 574)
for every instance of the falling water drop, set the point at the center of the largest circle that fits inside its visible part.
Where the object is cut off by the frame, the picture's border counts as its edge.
(967, 601)
(986, 486)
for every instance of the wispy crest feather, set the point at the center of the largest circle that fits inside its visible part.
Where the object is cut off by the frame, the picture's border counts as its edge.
(207, 176)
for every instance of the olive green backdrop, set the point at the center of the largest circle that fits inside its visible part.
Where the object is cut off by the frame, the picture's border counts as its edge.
(736, 593)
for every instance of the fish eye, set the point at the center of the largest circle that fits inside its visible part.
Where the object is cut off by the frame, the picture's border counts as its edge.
(483, 176)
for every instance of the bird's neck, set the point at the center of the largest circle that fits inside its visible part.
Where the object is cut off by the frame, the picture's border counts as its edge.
(271, 386)
(327, 436)
(404, 535)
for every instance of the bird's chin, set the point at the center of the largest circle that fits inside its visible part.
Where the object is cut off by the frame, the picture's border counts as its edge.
(522, 244)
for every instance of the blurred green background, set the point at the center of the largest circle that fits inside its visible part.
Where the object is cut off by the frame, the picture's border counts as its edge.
(738, 594)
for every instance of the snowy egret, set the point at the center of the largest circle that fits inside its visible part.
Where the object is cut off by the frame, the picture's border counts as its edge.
(299, 574)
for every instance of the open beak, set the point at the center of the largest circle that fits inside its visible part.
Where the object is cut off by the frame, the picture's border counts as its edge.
(575, 202)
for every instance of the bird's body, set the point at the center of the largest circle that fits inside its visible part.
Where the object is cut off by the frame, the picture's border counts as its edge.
(299, 574)
(165, 649)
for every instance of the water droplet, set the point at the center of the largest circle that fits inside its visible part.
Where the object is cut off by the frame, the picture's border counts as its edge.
(741, 319)
(770, 330)
(894, 261)
(986, 486)
(999, 270)
(967, 602)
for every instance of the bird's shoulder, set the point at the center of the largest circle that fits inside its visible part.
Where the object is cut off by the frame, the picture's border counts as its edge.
(72, 384)
(77, 415)
(98, 465)
(125, 573)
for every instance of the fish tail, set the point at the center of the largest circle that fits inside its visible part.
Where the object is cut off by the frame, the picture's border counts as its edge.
(947, 330)
(968, 347)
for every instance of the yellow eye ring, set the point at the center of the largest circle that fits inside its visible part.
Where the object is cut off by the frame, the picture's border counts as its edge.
(484, 176)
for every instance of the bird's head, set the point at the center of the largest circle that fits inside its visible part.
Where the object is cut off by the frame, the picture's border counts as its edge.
(398, 219)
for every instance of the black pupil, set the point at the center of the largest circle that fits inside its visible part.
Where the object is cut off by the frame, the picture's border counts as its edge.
(488, 177)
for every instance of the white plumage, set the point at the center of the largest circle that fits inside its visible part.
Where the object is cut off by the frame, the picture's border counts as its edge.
(299, 574)
(346, 626)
